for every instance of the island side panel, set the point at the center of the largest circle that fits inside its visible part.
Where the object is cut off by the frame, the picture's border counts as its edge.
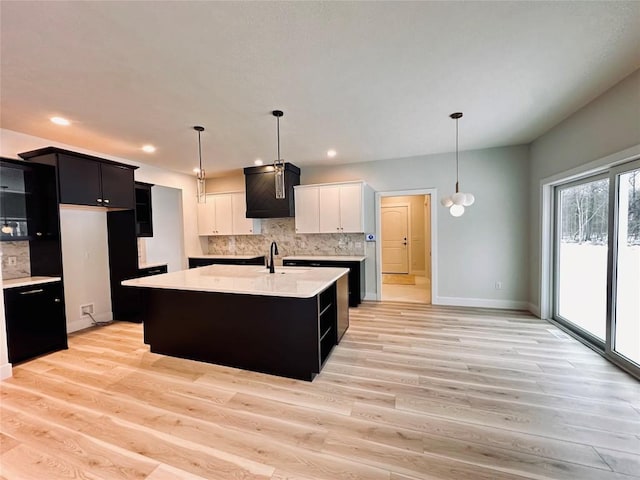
(276, 335)
(342, 303)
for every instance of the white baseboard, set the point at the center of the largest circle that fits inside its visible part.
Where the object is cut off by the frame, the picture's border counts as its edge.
(371, 296)
(535, 309)
(85, 322)
(481, 302)
(5, 371)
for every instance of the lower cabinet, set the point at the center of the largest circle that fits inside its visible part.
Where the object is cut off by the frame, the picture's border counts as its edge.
(195, 262)
(35, 319)
(356, 274)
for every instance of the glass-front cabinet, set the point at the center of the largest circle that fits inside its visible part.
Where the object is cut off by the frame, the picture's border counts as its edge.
(28, 203)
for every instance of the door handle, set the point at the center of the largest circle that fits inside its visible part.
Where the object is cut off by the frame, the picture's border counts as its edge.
(31, 292)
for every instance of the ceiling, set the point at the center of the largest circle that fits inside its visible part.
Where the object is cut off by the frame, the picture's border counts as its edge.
(372, 80)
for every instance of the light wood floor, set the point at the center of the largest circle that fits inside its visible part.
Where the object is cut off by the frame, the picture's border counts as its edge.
(412, 392)
(418, 293)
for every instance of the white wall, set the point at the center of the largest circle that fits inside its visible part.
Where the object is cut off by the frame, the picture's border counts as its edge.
(5, 366)
(607, 125)
(167, 242)
(85, 261)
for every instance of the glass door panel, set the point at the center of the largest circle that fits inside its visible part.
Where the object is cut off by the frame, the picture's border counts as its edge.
(581, 256)
(627, 262)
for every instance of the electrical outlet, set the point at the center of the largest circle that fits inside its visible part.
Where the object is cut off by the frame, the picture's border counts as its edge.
(498, 285)
(12, 261)
(86, 309)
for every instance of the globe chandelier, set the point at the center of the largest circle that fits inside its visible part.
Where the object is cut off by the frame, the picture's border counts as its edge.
(457, 201)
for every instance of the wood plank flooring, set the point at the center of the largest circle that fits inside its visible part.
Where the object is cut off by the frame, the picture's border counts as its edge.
(412, 392)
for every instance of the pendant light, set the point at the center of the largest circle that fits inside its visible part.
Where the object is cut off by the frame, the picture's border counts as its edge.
(278, 165)
(456, 202)
(6, 228)
(200, 174)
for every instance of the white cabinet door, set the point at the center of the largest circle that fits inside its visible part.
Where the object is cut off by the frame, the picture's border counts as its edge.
(241, 224)
(206, 218)
(351, 219)
(307, 210)
(329, 209)
(223, 215)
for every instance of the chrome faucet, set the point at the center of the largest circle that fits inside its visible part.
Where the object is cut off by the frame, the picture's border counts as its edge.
(273, 250)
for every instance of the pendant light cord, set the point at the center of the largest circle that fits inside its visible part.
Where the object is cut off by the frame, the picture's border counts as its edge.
(278, 120)
(200, 151)
(457, 155)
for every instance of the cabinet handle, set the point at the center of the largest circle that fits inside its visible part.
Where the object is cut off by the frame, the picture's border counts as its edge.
(106, 201)
(315, 264)
(99, 200)
(31, 292)
(38, 234)
(57, 300)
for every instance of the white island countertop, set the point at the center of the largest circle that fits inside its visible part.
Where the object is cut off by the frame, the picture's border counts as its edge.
(245, 279)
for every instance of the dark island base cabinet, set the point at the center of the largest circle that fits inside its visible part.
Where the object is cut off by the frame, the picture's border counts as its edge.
(35, 320)
(195, 262)
(290, 337)
(356, 274)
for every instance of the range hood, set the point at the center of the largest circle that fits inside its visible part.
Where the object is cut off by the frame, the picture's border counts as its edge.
(261, 191)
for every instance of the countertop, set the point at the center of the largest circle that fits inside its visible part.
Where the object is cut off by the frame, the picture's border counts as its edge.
(238, 257)
(245, 279)
(334, 258)
(28, 281)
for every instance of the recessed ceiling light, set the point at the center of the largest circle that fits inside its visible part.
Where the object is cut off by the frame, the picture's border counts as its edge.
(60, 121)
(149, 148)
(257, 161)
(331, 153)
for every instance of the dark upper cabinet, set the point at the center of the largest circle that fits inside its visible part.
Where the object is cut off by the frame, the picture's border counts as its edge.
(144, 216)
(261, 191)
(87, 180)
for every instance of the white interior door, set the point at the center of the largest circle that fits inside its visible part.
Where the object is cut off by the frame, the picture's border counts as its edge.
(395, 225)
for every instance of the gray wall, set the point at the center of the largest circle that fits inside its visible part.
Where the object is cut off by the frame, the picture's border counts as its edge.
(607, 125)
(489, 242)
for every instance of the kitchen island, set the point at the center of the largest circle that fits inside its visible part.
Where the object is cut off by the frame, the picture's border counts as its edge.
(285, 323)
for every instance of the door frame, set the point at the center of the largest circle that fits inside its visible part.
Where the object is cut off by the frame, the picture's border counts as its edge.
(433, 237)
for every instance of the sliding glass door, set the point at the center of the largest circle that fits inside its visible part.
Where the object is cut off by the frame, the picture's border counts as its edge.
(582, 224)
(597, 261)
(626, 265)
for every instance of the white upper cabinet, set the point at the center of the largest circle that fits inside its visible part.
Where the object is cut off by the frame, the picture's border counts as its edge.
(307, 209)
(214, 216)
(224, 214)
(333, 208)
(241, 224)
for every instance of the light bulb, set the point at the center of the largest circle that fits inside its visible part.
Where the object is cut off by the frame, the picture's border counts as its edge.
(458, 198)
(468, 199)
(456, 210)
(446, 202)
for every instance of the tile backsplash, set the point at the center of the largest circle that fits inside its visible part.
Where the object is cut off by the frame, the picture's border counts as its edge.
(19, 250)
(282, 231)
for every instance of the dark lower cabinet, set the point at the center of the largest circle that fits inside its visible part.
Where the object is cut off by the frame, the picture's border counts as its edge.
(195, 262)
(35, 319)
(356, 274)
